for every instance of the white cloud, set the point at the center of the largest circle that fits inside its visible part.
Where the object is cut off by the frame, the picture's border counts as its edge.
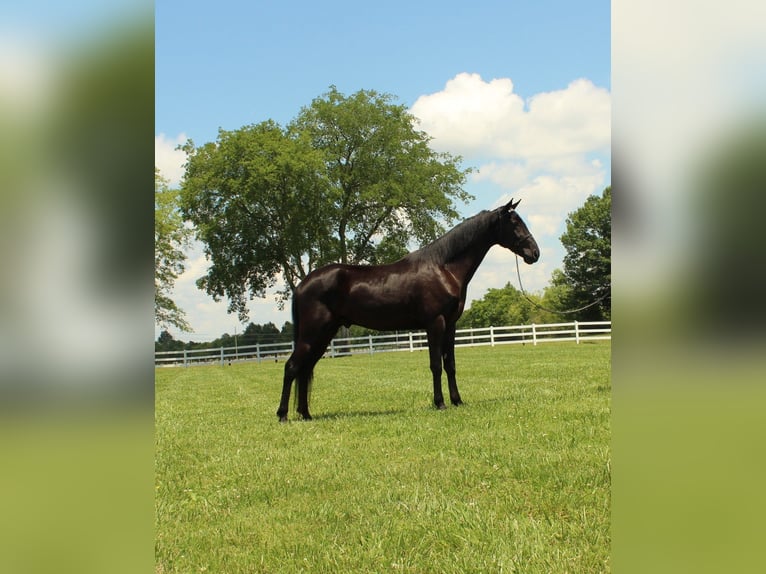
(468, 114)
(575, 120)
(475, 118)
(168, 159)
(543, 149)
(507, 174)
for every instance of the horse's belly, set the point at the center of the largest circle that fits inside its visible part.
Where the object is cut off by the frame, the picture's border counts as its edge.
(394, 311)
(374, 314)
(387, 321)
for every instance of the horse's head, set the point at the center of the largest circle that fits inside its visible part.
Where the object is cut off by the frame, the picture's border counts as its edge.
(514, 235)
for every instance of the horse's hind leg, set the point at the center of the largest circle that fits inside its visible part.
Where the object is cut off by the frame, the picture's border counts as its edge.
(449, 365)
(306, 373)
(435, 334)
(304, 387)
(299, 363)
(292, 368)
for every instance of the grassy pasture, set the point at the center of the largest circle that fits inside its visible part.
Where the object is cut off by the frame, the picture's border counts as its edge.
(516, 480)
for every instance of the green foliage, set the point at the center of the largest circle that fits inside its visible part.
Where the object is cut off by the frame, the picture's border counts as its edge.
(166, 342)
(349, 180)
(386, 181)
(170, 237)
(587, 273)
(259, 204)
(517, 480)
(253, 334)
(266, 333)
(501, 307)
(557, 292)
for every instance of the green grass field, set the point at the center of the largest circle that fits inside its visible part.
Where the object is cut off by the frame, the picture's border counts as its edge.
(516, 480)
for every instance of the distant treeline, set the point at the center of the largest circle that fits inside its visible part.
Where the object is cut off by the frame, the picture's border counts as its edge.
(252, 335)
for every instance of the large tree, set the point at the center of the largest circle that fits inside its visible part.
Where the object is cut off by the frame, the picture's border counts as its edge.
(170, 239)
(259, 202)
(587, 268)
(388, 186)
(349, 180)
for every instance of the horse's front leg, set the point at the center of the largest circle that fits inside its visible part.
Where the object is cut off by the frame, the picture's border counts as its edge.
(435, 340)
(449, 365)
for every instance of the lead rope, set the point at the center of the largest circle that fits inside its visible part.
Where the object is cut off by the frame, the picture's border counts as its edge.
(518, 274)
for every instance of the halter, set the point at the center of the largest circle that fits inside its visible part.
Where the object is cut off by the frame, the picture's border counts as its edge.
(519, 242)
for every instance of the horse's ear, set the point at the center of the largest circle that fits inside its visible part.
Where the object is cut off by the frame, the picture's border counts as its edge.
(511, 205)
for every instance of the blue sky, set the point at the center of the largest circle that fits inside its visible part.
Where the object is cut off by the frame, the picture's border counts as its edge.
(229, 63)
(542, 67)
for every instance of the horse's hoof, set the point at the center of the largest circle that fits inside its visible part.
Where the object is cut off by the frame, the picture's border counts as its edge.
(441, 407)
(283, 419)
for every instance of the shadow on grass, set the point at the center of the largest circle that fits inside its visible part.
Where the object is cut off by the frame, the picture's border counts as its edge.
(415, 411)
(355, 414)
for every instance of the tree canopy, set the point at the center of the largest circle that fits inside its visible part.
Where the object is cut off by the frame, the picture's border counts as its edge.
(253, 334)
(170, 237)
(348, 180)
(387, 184)
(259, 204)
(504, 306)
(587, 271)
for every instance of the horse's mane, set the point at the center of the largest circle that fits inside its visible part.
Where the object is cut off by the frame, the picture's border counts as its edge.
(455, 241)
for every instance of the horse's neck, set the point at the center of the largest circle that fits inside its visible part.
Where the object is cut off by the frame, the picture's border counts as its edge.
(464, 265)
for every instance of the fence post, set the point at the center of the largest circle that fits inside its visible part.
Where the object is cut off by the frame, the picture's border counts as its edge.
(577, 333)
(258, 352)
(186, 364)
(412, 348)
(370, 339)
(222, 362)
(534, 335)
(332, 349)
(491, 336)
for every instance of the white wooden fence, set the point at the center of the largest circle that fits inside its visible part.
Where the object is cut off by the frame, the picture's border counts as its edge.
(404, 341)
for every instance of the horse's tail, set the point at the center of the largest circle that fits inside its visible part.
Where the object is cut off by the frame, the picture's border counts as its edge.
(296, 321)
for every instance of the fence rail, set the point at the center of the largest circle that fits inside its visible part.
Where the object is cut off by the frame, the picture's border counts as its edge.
(404, 341)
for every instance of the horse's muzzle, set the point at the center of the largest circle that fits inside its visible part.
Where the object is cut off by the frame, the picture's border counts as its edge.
(531, 255)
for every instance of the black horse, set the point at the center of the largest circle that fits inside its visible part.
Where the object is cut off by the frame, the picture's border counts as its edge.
(424, 290)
